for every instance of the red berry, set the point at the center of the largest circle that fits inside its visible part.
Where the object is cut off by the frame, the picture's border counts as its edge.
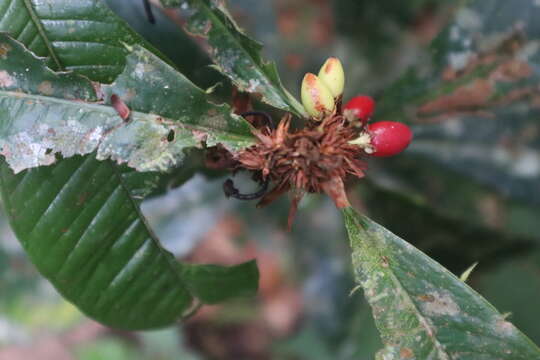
(362, 106)
(389, 137)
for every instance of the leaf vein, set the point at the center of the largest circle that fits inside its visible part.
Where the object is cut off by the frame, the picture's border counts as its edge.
(81, 239)
(41, 30)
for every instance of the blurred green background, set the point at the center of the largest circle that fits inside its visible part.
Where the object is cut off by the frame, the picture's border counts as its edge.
(466, 191)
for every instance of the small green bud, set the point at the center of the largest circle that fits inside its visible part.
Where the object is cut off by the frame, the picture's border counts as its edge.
(333, 76)
(316, 97)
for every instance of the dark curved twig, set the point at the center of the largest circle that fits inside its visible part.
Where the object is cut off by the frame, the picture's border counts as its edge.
(148, 11)
(269, 121)
(231, 191)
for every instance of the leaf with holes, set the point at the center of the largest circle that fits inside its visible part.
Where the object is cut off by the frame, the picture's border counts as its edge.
(168, 114)
(422, 310)
(100, 255)
(79, 218)
(235, 54)
(83, 36)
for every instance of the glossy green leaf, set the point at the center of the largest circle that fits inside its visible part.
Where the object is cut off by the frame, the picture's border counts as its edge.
(169, 114)
(213, 284)
(168, 36)
(79, 218)
(235, 54)
(422, 310)
(84, 36)
(83, 232)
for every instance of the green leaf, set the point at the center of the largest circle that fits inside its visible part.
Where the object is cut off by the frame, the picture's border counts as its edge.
(235, 54)
(168, 36)
(422, 310)
(84, 233)
(83, 36)
(474, 97)
(484, 38)
(169, 114)
(213, 284)
(79, 218)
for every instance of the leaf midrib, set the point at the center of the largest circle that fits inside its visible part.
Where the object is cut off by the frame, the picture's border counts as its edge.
(96, 107)
(39, 26)
(421, 318)
(41, 30)
(403, 293)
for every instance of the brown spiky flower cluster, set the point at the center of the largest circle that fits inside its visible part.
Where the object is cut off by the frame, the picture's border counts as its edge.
(315, 159)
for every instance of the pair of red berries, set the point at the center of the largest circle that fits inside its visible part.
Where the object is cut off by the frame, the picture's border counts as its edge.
(387, 137)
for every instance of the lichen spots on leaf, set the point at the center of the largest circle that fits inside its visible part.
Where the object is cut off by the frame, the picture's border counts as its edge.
(6, 80)
(201, 136)
(129, 95)
(253, 85)
(228, 60)
(141, 69)
(46, 88)
(482, 93)
(406, 353)
(426, 298)
(438, 304)
(4, 50)
(504, 327)
(496, 76)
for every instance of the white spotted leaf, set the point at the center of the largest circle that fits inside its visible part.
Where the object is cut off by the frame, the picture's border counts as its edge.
(422, 310)
(79, 218)
(235, 54)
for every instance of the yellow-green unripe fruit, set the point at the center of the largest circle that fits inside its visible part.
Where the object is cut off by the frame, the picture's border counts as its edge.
(333, 76)
(316, 97)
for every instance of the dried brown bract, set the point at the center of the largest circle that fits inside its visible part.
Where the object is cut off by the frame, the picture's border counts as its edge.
(315, 159)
